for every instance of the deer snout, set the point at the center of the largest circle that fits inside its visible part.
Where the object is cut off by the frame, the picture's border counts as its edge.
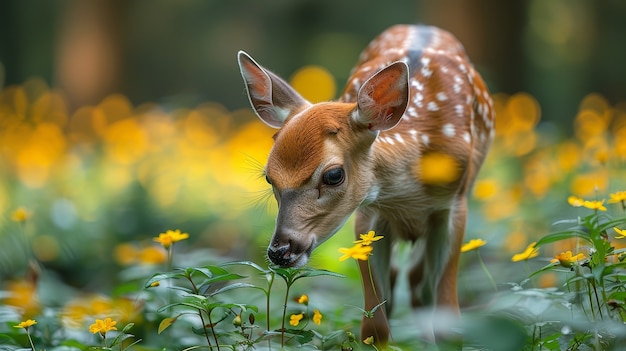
(289, 253)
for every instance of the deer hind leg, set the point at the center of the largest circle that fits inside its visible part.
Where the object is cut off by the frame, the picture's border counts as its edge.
(434, 279)
(377, 283)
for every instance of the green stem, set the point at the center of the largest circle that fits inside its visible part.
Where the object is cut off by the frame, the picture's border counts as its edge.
(270, 283)
(282, 328)
(206, 332)
(371, 276)
(31, 340)
(484, 267)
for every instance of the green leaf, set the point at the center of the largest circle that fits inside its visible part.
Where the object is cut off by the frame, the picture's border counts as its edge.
(247, 263)
(302, 336)
(195, 304)
(162, 276)
(243, 307)
(127, 327)
(290, 275)
(234, 286)
(69, 343)
(568, 234)
(618, 295)
(120, 338)
(544, 268)
(221, 278)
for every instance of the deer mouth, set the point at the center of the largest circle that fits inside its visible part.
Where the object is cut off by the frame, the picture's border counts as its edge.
(290, 254)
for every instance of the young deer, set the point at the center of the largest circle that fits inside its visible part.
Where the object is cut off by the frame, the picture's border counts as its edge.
(413, 95)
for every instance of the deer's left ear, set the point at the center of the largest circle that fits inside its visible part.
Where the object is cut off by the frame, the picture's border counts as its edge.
(272, 98)
(383, 98)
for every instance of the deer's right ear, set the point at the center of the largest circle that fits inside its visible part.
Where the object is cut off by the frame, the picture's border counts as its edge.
(272, 99)
(383, 98)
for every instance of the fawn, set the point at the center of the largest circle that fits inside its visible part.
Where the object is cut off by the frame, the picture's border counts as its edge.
(413, 95)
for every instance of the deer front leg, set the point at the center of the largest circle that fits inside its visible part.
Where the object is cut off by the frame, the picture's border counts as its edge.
(375, 275)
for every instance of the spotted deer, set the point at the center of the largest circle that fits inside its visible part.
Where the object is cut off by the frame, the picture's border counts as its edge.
(412, 94)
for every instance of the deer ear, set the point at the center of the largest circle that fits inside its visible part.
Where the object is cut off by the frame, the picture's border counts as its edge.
(383, 98)
(272, 99)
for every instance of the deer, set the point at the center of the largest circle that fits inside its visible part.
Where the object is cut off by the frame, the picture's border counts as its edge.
(413, 93)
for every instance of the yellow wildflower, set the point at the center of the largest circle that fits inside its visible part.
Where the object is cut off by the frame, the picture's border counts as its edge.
(317, 317)
(473, 245)
(295, 319)
(566, 259)
(26, 324)
(304, 299)
(595, 205)
(619, 196)
(369, 340)
(171, 236)
(575, 201)
(368, 239)
(529, 253)
(20, 214)
(621, 232)
(103, 326)
(358, 252)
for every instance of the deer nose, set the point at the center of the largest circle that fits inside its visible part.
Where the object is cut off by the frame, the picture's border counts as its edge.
(280, 255)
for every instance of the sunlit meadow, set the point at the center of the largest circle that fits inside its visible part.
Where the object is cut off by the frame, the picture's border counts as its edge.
(144, 228)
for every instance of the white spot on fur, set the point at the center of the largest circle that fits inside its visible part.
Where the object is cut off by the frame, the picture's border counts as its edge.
(399, 138)
(467, 137)
(425, 139)
(448, 130)
(459, 110)
(417, 84)
(432, 106)
(441, 96)
(426, 72)
(413, 133)
(417, 99)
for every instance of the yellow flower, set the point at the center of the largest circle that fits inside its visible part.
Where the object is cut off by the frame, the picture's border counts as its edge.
(566, 259)
(171, 236)
(369, 238)
(103, 326)
(304, 299)
(20, 215)
(295, 319)
(595, 205)
(529, 253)
(621, 232)
(619, 196)
(369, 340)
(26, 324)
(575, 201)
(317, 317)
(358, 252)
(473, 245)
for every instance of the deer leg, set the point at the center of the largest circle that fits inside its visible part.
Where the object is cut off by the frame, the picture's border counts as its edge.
(447, 287)
(440, 275)
(375, 275)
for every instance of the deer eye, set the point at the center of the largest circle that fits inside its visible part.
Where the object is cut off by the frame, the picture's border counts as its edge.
(333, 176)
(267, 179)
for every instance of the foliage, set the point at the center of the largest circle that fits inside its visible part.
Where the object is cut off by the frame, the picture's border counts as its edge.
(83, 196)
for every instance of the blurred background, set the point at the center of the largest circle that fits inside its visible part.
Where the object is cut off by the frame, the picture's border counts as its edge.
(122, 119)
(183, 52)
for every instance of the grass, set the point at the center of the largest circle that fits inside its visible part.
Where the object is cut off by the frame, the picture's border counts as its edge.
(84, 197)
